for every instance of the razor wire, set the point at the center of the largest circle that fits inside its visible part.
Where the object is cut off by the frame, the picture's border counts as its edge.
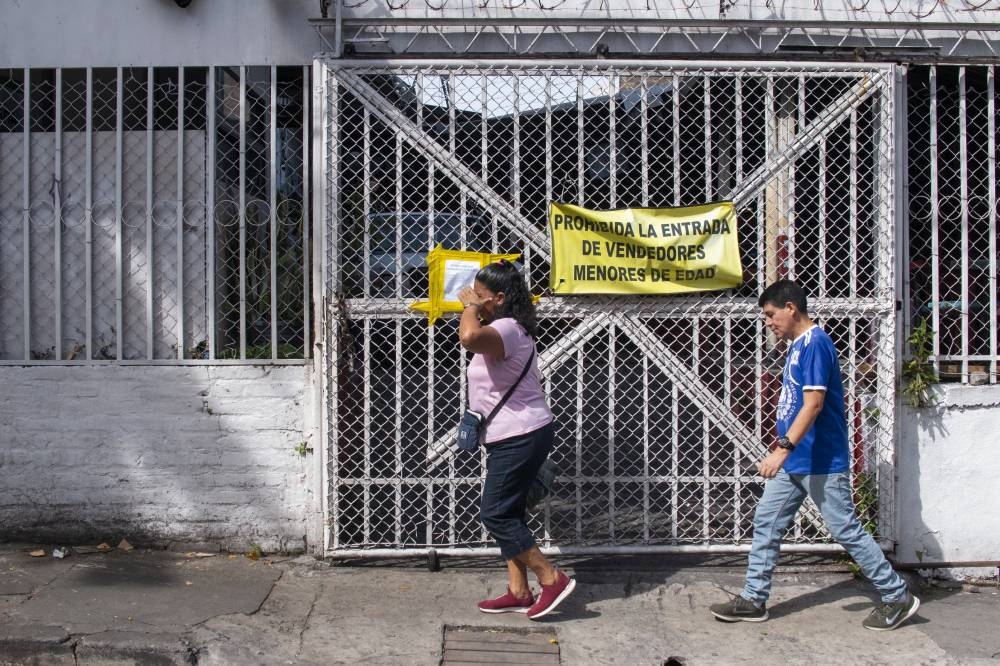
(662, 404)
(154, 214)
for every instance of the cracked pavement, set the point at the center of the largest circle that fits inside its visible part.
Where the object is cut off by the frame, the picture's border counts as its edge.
(178, 608)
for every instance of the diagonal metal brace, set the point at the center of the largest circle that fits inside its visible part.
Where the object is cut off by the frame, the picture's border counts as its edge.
(470, 182)
(689, 383)
(827, 120)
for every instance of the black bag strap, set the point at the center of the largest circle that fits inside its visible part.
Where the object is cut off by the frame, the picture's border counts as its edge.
(503, 400)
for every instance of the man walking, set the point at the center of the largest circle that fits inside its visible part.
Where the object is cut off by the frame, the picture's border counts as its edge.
(811, 457)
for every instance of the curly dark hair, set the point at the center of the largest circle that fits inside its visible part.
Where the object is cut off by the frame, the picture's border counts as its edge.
(503, 276)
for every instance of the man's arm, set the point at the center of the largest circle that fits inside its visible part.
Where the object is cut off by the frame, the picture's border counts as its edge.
(812, 405)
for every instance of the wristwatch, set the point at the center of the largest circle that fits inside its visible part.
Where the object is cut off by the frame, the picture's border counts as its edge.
(786, 444)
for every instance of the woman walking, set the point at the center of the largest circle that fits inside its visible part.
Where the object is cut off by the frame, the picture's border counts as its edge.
(499, 326)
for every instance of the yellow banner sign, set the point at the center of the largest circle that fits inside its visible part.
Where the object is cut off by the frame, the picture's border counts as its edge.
(644, 250)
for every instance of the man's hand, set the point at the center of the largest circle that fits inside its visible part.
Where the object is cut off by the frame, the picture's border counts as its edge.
(772, 463)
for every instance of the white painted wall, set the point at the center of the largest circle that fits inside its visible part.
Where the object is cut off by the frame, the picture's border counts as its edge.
(947, 478)
(158, 454)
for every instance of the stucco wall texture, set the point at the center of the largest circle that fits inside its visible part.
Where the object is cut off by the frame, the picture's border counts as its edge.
(157, 455)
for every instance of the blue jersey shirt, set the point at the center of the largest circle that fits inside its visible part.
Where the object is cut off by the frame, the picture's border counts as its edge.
(812, 364)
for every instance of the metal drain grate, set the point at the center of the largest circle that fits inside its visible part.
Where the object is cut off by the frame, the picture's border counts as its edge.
(483, 645)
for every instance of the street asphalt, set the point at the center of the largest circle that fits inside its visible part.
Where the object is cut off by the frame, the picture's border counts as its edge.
(185, 606)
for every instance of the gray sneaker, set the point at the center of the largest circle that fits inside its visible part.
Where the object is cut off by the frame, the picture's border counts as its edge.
(739, 610)
(887, 617)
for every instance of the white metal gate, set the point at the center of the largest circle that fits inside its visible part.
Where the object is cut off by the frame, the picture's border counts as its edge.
(662, 403)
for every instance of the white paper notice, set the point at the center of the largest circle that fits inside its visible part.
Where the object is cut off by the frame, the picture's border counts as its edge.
(458, 273)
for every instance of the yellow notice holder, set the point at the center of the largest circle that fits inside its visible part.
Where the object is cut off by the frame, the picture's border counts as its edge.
(447, 272)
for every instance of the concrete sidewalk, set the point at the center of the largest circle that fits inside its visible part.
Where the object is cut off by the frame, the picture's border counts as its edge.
(161, 607)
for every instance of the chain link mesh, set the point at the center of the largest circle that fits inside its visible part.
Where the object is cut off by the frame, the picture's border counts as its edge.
(104, 214)
(662, 404)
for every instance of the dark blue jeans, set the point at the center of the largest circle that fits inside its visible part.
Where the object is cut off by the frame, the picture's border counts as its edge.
(511, 466)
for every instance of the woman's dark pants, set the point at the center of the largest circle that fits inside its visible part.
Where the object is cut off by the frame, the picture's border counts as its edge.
(511, 467)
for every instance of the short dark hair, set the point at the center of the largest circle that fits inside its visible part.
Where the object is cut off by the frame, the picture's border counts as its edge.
(784, 291)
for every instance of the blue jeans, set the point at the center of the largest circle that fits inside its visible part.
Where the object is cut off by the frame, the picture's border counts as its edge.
(783, 495)
(511, 467)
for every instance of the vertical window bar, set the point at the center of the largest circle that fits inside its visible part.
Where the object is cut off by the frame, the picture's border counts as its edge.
(398, 273)
(770, 229)
(306, 218)
(150, 353)
(851, 385)
(738, 94)
(612, 368)
(483, 144)
(707, 91)
(366, 194)
(180, 212)
(935, 239)
(547, 510)
(901, 112)
(705, 451)
(854, 205)
(210, 207)
(243, 211)
(644, 140)
(792, 175)
(463, 226)
(992, 181)
(515, 174)
(580, 157)
(398, 436)
(612, 141)
(578, 442)
(761, 239)
(548, 137)
(119, 175)
(821, 251)
(430, 404)
(57, 215)
(431, 222)
(88, 217)
(645, 440)
(964, 189)
(273, 195)
(677, 165)
(26, 212)
(366, 441)
(674, 457)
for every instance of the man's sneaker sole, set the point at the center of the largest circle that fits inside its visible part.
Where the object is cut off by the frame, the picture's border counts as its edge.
(748, 618)
(897, 625)
(505, 610)
(562, 595)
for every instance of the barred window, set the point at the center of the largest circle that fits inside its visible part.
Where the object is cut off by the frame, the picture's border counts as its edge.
(154, 214)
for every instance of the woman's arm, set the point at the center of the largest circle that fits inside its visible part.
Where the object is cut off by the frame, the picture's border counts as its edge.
(472, 335)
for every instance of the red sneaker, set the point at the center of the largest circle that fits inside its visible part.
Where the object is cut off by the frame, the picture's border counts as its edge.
(552, 596)
(507, 603)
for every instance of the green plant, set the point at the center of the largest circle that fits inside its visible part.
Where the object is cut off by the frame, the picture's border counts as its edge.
(918, 373)
(302, 449)
(255, 552)
(866, 501)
